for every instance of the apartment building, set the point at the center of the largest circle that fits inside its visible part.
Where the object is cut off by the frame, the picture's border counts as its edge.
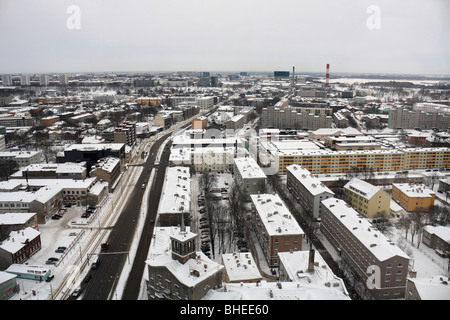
(22, 158)
(249, 175)
(17, 121)
(175, 270)
(307, 189)
(296, 118)
(125, 133)
(413, 197)
(378, 262)
(329, 161)
(212, 159)
(402, 118)
(369, 200)
(437, 238)
(149, 101)
(106, 169)
(199, 123)
(175, 202)
(275, 227)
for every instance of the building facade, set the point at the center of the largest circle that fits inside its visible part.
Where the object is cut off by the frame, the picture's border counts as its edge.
(275, 227)
(368, 200)
(413, 197)
(307, 190)
(378, 262)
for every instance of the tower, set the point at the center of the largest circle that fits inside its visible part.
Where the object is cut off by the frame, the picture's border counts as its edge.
(328, 75)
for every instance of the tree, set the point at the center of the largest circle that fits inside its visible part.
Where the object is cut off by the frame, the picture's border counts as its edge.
(207, 180)
(404, 223)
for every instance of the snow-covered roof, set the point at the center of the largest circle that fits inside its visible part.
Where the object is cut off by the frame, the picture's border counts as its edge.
(310, 182)
(192, 272)
(176, 193)
(17, 239)
(272, 291)
(240, 266)
(248, 168)
(440, 231)
(374, 241)
(275, 216)
(296, 265)
(432, 288)
(11, 218)
(362, 188)
(414, 190)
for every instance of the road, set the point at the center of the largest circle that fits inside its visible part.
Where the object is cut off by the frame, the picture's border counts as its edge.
(105, 277)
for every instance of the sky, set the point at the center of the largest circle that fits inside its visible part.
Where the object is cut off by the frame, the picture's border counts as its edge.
(361, 36)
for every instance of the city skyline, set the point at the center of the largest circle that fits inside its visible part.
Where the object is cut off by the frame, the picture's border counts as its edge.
(405, 37)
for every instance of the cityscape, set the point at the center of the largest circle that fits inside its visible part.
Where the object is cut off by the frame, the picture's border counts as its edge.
(202, 185)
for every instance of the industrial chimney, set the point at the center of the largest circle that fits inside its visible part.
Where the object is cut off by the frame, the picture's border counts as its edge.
(311, 260)
(328, 75)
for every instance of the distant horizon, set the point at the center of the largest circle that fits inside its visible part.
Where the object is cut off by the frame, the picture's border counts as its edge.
(341, 74)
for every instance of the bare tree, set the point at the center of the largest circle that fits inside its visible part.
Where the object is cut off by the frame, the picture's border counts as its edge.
(404, 223)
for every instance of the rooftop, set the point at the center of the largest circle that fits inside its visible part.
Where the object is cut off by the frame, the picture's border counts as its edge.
(275, 215)
(377, 243)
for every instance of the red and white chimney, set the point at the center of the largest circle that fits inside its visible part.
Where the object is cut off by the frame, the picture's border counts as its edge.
(328, 75)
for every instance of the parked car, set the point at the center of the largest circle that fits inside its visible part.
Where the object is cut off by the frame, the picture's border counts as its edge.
(60, 250)
(56, 217)
(87, 278)
(49, 278)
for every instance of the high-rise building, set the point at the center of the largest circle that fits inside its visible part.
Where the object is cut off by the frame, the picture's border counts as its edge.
(7, 80)
(43, 80)
(25, 80)
(63, 80)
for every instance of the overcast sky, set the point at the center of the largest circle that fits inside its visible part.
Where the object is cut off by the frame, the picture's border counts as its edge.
(225, 35)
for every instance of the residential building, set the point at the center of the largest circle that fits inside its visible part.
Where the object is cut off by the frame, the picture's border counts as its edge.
(437, 238)
(63, 80)
(240, 267)
(15, 221)
(7, 80)
(175, 270)
(16, 121)
(308, 190)
(19, 247)
(199, 123)
(369, 200)
(22, 158)
(149, 101)
(402, 118)
(175, 202)
(236, 123)
(68, 170)
(413, 197)
(376, 260)
(275, 227)
(25, 80)
(43, 80)
(249, 175)
(296, 118)
(212, 159)
(309, 270)
(434, 288)
(125, 133)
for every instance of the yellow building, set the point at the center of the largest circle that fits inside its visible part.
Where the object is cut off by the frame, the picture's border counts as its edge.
(146, 101)
(369, 200)
(413, 197)
(327, 161)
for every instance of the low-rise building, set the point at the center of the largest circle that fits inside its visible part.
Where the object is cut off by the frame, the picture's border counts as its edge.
(413, 197)
(376, 260)
(437, 238)
(369, 200)
(275, 227)
(249, 175)
(434, 288)
(19, 247)
(240, 267)
(175, 270)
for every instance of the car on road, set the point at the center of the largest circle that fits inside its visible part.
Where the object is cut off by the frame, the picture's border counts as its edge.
(60, 249)
(76, 292)
(51, 261)
(49, 278)
(87, 278)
